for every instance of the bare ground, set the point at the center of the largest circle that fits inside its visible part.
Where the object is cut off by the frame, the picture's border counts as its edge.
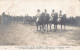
(27, 35)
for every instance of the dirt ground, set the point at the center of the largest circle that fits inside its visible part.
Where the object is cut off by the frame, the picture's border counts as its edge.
(19, 34)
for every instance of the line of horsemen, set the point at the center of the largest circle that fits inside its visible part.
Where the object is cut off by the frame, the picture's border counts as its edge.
(44, 20)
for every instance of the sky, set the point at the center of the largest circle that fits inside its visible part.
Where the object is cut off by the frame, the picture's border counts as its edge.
(24, 7)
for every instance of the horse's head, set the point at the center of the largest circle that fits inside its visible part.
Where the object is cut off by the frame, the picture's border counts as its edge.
(64, 16)
(56, 15)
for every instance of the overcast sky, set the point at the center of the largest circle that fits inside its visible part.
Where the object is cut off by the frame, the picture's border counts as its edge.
(22, 7)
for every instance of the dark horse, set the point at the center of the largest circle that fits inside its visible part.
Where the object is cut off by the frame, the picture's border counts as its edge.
(63, 21)
(43, 20)
(54, 21)
(46, 21)
(39, 21)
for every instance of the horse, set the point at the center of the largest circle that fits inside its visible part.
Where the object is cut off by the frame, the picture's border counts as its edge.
(54, 21)
(46, 21)
(43, 20)
(63, 21)
(40, 21)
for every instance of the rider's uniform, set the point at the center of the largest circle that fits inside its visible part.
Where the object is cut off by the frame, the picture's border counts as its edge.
(51, 18)
(59, 18)
(38, 16)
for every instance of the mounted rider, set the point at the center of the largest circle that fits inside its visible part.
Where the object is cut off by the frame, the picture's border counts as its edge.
(46, 17)
(54, 17)
(52, 14)
(60, 16)
(38, 15)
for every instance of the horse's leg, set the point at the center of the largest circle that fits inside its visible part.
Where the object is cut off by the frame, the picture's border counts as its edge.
(37, 27)
(43, 27)
(47, 27)
(56, 26)
(64, 27)
(50, 26)
(61, 26)
(40, 27)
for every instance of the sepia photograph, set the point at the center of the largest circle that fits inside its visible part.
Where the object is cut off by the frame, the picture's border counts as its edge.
(39, 22)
